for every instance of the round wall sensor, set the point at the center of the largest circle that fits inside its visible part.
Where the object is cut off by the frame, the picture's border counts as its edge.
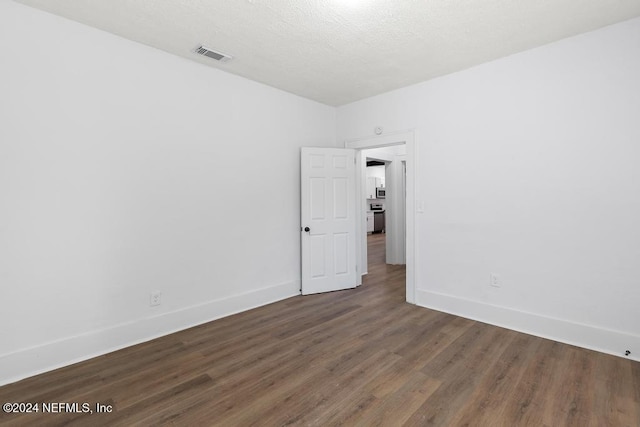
(378, 130)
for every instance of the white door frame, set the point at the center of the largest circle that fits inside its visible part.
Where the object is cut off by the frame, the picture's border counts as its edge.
(408, 138)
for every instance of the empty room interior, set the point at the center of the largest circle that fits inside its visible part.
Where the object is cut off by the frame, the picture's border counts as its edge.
(340, 212)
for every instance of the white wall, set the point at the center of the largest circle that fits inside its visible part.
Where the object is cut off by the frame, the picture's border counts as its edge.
(528, 167)
(386, 153)
(375, 172)
(124, 170)
(395, 207)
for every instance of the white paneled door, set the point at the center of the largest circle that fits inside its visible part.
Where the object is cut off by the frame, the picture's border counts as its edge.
(328, 222)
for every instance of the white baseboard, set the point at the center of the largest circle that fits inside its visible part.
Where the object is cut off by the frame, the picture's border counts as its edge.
(46, 357)
(578, 334)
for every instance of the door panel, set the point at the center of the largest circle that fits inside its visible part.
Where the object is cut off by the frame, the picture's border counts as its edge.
(341, 253)
(340, 202)
(328, 210)
(317, 256)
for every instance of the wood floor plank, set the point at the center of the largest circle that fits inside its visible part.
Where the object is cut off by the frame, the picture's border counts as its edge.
(486, 405)
(461, 368)
(615, 392)
(397, 407)
(355, 357)
(531, 398)
(571, 403)
(146, 408)
(341, 399)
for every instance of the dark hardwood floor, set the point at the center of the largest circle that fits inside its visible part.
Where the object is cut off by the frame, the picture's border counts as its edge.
(357, 357)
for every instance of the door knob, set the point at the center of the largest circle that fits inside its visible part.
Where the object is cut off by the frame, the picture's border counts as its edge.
(307, 229)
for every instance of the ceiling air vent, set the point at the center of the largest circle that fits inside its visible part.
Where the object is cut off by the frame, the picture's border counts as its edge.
(218, 56)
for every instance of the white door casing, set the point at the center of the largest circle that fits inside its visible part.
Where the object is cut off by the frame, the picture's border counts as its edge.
(328, 219)
(412, 206)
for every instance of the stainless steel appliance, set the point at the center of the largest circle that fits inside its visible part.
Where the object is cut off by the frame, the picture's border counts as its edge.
(380, 192)
(378, 222)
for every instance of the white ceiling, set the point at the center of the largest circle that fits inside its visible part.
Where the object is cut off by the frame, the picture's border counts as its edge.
(339, 51)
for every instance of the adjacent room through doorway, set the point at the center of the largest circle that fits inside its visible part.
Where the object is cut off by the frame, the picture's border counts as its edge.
(384, 195)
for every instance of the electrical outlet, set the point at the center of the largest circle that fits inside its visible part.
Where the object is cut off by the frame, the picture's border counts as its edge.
(494, 280)
(155, 299)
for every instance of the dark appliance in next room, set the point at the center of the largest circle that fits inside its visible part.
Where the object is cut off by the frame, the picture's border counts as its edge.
(378, 217)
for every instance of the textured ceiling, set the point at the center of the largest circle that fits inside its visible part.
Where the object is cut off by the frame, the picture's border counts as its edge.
(339, 51)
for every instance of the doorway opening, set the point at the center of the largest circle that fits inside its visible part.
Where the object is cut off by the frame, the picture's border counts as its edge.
(397, 152)
(385, 196)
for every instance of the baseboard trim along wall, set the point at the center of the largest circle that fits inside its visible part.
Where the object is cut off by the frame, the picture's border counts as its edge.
(46, 357)
(580, 335)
